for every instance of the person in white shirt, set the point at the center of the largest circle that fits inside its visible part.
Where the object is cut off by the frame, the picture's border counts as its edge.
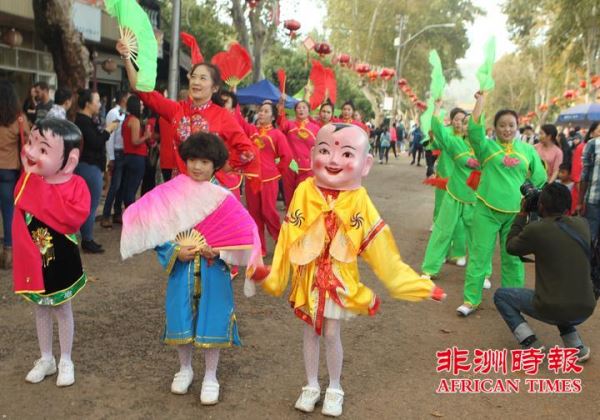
(114, 151)
(63, 99)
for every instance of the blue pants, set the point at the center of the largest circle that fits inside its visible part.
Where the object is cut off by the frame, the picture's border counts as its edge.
(135, 166)
(592, 214)
(512, 303)
(115, 191)
(93, 178)
(8, 179)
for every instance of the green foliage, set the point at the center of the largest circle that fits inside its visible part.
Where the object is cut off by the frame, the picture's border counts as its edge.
(199, 20)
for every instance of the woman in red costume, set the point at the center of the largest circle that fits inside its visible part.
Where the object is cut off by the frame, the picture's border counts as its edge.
(201, 111)
(325, 114)
(275, 159)
(347, 116)
(301, 134)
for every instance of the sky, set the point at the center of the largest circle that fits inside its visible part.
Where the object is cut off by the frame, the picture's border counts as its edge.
(310, 14)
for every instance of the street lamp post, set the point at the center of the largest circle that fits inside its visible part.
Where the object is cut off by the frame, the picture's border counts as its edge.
(173, 83)
(399, 44)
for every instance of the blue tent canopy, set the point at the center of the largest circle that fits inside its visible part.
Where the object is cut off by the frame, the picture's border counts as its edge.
(583, 114)
(260, 92)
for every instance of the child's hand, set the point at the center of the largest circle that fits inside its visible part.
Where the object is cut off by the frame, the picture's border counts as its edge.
(209, 253)
(187, 253)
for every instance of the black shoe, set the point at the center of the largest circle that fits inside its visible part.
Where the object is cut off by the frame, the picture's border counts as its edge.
(91, 247)
(116, 219)
(412, 163)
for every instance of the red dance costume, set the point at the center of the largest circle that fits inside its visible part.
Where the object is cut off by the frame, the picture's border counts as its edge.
(301, 139)
(262, 205)
(167, 151)
(188, 118)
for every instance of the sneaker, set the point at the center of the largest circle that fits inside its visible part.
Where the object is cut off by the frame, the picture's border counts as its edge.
(307, 400)
(209, 395)
(427, 276)
(182, 381)
(117, 219)
(535, 344)
(431, 227)
(66, 373)
(461, 262)
(487, 284)
(466, 309)
(41, 369)
(106, 223)
(584, 353)
(91, 247)
(332, 405)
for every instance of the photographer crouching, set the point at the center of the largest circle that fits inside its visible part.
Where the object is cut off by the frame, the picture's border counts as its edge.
(563, 294)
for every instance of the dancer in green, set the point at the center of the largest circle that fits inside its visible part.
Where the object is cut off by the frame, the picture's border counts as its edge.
(456, 209)
(506, 164)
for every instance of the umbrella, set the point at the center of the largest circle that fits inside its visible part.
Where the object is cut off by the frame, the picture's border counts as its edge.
(583, 114)
(260, 92)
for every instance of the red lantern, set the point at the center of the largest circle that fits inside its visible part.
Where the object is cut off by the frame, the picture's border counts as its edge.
(421, 105)
(543, 107)
(387, 74)
(363, 68)
(12, 38)
(373, 75)
(252, 3)
(414, 99)
(596, 81)
(582, 84)
(322, 49)
(344, 59)
(570, 94)
(531, 114)
(291, 25)
(402, 83)
(554, 100)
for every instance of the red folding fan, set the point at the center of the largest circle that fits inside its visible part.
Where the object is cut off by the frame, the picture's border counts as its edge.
(282, 79)
(234, 64)
(191, 42)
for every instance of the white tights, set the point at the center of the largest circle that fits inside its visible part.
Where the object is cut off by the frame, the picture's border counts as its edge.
(333, 352)
(211, 361)
(66, 329)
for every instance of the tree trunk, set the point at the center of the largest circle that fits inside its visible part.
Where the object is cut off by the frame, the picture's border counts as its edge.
(55, 28)
(375, 103)
(239, 22)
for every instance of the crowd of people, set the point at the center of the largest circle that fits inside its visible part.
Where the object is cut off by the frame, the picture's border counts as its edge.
(315, 163)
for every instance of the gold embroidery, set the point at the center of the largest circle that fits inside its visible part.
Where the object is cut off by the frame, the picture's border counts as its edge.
(43, 240)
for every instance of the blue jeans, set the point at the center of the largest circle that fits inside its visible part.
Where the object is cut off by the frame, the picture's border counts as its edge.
(592, 214)
(115, 191)
(512, 302)
(135, 166)
(8, 179)
(93, 178)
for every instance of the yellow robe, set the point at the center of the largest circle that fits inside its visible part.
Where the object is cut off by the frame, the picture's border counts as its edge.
(361, 231)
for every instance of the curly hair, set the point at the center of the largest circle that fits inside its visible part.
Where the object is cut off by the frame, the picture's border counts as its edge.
(204, 146)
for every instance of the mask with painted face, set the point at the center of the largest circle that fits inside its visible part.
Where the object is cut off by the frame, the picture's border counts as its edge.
(340, 158)
(52, 150)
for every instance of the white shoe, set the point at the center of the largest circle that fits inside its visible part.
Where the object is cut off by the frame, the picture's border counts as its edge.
(307, 400)
(209, 395)
(182, 381)
(461, 262)
(487, 284)
(332, 405)
(41, 369)
(431, 227)
(466, 309)
(66, 373)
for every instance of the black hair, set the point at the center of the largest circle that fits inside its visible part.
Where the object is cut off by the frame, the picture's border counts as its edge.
(120, 95)
(593, 127)
(301, 102)
(65, 129)
(456, 111)
(527, 127)
(564, 167)
(9, 103)
(85, 96)
(204, 146)
(229, 94)
(351, 105)
(555, 198)
(134, 106)
(550, 129)
(273, 110)
(327, 103)
(215, 76)
(504, 112)
(42, 85)
(62, 95)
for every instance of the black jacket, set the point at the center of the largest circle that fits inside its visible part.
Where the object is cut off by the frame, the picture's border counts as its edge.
(94, 140)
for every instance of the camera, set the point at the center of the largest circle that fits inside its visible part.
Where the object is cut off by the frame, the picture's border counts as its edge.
(531, 195)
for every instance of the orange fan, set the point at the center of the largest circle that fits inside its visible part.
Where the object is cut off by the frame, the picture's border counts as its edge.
(324, 83)
(234, 64)
(191, 42)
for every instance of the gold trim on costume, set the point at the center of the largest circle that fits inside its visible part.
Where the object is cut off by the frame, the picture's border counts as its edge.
(173, 259)
(22, 187)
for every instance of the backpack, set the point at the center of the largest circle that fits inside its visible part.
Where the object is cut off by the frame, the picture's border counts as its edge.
(385, 139)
